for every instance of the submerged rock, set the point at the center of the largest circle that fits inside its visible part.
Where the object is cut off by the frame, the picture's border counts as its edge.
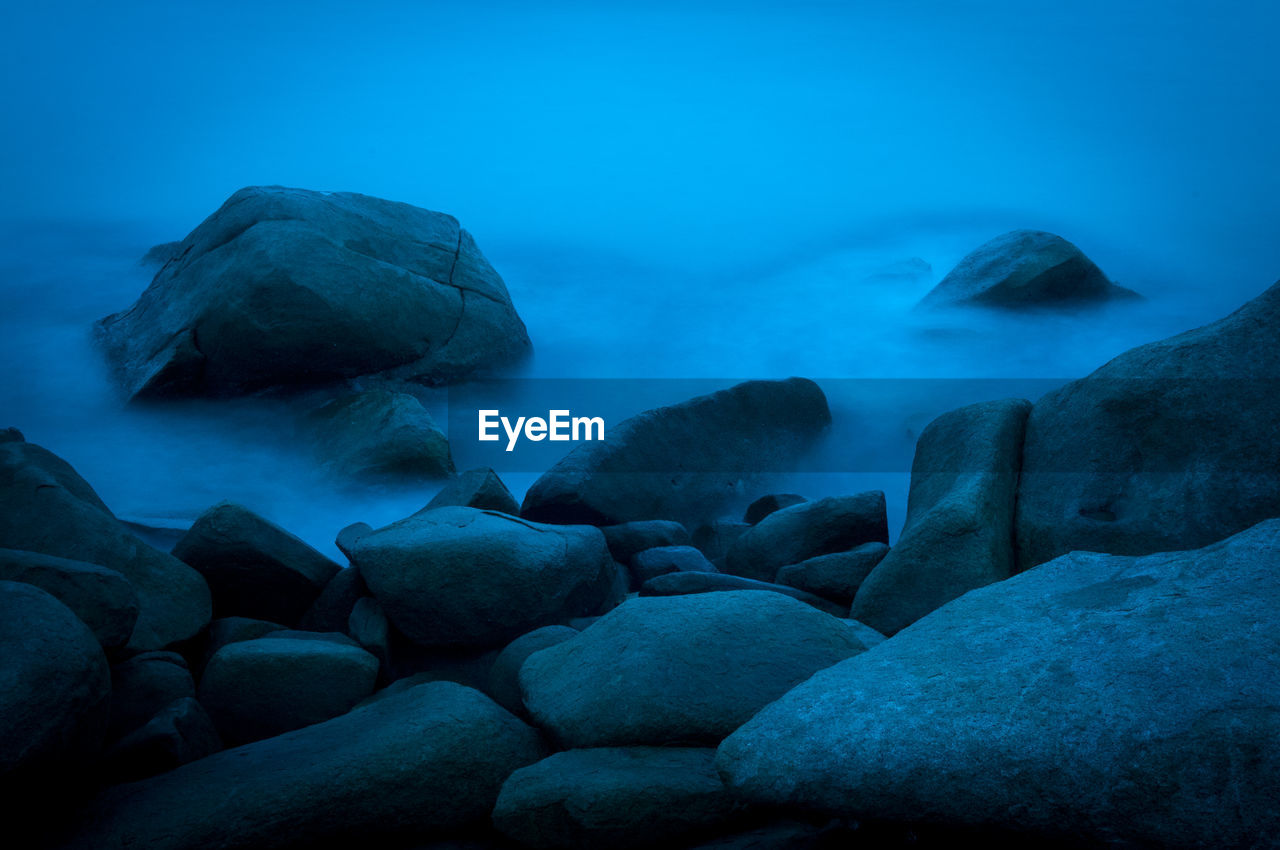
(379, 436)
(46, 507)
(806, 530)
(959, 529)
(680, 669)
(254, 568)
(1128, 701)
(56, 691)
(259, 688)
(680, 462)
(614, 798)
(286, 287)
(411, 766)
(464, 577)
(102, 598)
(1171, 445)
(1025, 269)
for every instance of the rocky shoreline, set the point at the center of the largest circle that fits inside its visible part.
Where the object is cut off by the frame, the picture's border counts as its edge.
(1071, 643)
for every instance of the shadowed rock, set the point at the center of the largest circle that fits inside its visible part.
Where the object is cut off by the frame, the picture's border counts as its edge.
(287, 287)
(102, 598)
(378, 436)
(765, 505)
(685, 583)
(836, 576)
(504, 677)
(806, 530)
(476, 488)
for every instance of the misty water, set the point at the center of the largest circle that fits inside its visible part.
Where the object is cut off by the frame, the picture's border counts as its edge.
(724, 194)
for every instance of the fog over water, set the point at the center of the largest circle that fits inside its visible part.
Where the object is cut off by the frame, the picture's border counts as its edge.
(669, 190)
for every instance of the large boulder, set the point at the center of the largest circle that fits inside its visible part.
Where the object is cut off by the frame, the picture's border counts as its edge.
(102, 598)
(1169, 446)
(1025, 269)
(1127, 701)
(614, 797)
(627, 539)
(806, 530)
(378, 436)
(476, 488)
(46, 507)
(55, 687)
(685, 583)
(680, 669)
(661, 560)
(255, 689)
(504, 676)
(959, 529)
(414, 765)
(680, 462)
(466, 577)
(288, 287)
(254, 568)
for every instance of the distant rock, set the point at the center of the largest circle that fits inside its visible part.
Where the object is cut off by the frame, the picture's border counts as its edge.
(288, 287)
(684, 583)
(836, 576)
(160, 254)
(765, 505)
(56, 689)
(464, 577)
(46, 507)
(628, 538)
(1171, 445)
(102, 598)
(260, 688)
(614, 798)
(476, 488)
(680, 462)
(661, 560)
(1025, 269)
(254, 568)
(806, 530)
(959, 530)
(378, 436)
(418, 765)
(1100, 699)
(680, 669)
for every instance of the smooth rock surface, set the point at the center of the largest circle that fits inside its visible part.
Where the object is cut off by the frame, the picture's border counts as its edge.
(836, 576)
(661, 560)
(414, 765)
(178, 734)
(465, 577)
(800, 532)
(614, 797)
(476, 488)
(142, 686)
(679, 670)
(680, 462)
(46, 507)
(102, 598)
(684, 583)
(378, 436)
(1130, 701)
(959, 530)
(504, 676)
(254, 568)
(1171, 445)
(332, 609)
(765, 505)
(287, 287)
(1025, 269)
(628, 538)
(259, 688)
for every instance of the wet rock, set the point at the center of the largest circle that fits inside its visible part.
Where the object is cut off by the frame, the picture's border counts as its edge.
(476, 488)
(287, 287)
(679, 670)
(959, 530)
(464, 577)
(1169, 446)
(379, 436)
(1097, 699)
(679, 462)
(46, 507)
(100, 597)
(614, 797)
(804, 531)
(1025, 269)
(265, 687)
(836, 576)
(417, 765)
(254, 568)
